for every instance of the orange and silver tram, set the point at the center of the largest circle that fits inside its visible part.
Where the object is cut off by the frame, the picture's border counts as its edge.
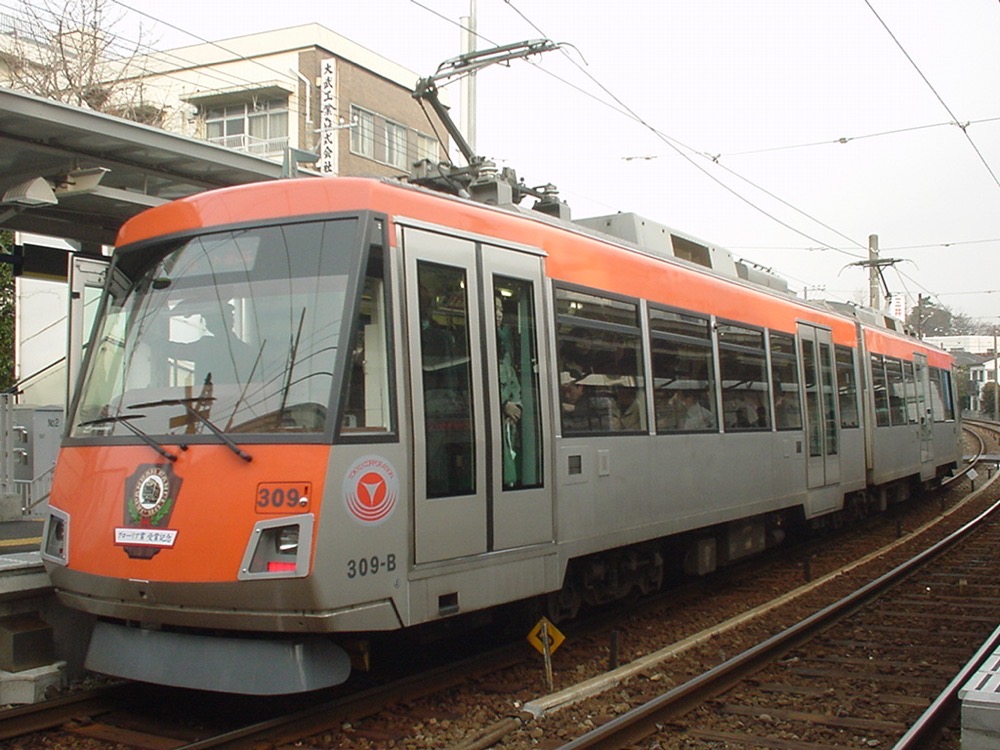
(322, 408)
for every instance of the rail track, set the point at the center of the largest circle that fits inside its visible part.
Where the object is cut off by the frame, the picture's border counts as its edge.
(113, 715)
(881, 667)
(432, 709)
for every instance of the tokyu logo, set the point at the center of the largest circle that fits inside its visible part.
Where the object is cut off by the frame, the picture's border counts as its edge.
(371, 489)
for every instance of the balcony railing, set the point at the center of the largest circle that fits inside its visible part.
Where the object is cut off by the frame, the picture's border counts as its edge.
(265, 147)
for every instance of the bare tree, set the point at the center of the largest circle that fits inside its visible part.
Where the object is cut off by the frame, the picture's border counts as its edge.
(932, 319)
(68, 50)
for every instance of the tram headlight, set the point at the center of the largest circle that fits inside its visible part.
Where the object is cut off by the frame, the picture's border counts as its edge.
(287, 540)
(278, 548)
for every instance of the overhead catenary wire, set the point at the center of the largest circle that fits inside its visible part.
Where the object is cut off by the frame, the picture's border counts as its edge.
(680, 148)
(884, 248)
(674, 145)
(380, 141)
(843, 140)
(144, 50)
(202, 40)
(685, 152)
(222, 78)
(963, 128)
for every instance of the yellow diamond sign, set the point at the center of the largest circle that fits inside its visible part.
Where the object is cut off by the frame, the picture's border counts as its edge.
(545, 630)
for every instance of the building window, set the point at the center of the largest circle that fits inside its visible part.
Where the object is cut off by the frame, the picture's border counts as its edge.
(395, 145)
(375, 137)
(255, 127)
(362, 132)
(427, 148)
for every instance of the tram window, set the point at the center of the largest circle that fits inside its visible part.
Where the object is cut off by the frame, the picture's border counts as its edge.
(446, 368)
(897, 391)
(949, 402)
(582, 305)
(785, 379)
(814, 408)
(367, 406)
(941, 380)
(936, 396)
(680, 324)
(248, 322)
(600, 364)
(912, 410)
(520, 418)
(683, 372)
(847, 387)
(743, 370)
(827, 372)
(880, 389)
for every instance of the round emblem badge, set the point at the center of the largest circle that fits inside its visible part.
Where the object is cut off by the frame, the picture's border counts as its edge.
(152, 491)
(371, 488)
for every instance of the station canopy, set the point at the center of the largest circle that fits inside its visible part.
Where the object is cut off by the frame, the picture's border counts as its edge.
(79, 175)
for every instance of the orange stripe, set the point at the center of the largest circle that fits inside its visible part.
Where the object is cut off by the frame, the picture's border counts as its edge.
(571, 257)
(894, 345)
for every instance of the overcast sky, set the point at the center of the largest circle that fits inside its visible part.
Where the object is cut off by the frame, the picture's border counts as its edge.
(624, 119)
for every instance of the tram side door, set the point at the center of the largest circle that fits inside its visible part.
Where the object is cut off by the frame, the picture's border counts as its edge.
(520, 500)
(449, 431)
(923, 378)
(822, 418)
(478, 475)
(86, 283)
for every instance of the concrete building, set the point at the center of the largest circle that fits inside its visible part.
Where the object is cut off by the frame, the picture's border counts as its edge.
(970, 344)
(304, 87)
(277, 95)
(245, 109)
(979, 375)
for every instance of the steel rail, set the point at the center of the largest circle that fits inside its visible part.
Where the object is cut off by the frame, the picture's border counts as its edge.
(972, 461)
(36, 717)
(935, 718)
(937, 715)
(641, 721)
(291, 727)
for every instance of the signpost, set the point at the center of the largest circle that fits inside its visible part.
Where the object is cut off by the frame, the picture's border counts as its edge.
(546, 638)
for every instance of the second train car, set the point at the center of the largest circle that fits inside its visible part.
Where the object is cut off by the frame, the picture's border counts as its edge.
(317, 409)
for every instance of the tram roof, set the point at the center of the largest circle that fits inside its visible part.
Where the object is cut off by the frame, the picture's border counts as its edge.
(587, 264)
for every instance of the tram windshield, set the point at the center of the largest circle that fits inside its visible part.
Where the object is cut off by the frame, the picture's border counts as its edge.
(241, 327)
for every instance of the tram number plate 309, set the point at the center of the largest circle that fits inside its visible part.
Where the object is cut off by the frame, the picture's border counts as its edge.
(283, 497)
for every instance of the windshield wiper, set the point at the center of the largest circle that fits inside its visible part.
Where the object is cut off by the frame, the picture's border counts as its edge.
(186, 403)
(124, 420)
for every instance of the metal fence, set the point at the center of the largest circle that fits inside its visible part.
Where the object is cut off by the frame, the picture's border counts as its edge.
(31, 492)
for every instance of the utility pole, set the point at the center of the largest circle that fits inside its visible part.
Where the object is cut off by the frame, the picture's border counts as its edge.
(875, 264)
(873, 291)
(819, 288)
(468, 90)
(996, 378)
